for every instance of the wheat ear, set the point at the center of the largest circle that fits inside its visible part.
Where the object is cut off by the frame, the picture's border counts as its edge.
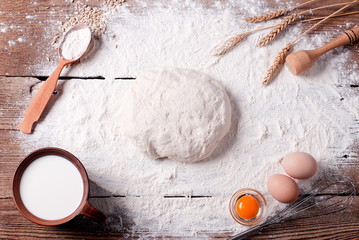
(278, 61)
(277, 29)
(280, 58)
(276, 14)
(267, 16)
(228, 44)
(233, 41)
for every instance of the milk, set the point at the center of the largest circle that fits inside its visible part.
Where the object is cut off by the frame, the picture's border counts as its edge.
(51, 187)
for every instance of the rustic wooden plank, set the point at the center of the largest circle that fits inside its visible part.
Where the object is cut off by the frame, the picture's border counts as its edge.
(15, 94)
(28, 28)
(11, 155)
(341, 225)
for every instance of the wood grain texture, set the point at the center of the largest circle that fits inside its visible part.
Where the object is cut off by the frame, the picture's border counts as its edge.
(10, 105)
(20, 91)
(337, 226)
(36, 24)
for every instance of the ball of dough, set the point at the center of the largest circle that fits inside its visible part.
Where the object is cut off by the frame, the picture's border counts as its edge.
(178, 114)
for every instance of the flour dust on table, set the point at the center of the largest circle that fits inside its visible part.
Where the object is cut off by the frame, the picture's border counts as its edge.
(309, 113)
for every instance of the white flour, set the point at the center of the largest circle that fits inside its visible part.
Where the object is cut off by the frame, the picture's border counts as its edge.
(76, 43)
(307, 113)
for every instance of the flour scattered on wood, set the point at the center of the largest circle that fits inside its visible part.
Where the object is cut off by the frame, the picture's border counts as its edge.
(308, 113)
(11, 43)
(4, 29)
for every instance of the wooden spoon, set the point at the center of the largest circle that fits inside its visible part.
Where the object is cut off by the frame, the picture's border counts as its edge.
(42, 97)
(299, 62)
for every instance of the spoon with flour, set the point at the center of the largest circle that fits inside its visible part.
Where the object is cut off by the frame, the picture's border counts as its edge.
(76, 42)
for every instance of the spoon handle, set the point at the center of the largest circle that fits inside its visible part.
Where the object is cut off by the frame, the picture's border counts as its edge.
(348, 37)
(39, 102)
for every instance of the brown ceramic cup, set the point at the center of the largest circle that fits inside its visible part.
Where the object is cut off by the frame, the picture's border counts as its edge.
(85, 208)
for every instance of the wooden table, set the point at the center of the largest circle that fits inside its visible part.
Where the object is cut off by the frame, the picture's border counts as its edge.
(17, 79)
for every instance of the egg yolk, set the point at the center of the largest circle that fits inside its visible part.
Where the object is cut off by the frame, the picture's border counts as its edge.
(247, 207)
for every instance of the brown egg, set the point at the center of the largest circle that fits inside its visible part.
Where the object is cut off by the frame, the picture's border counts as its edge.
(282, 188)
(299, 165)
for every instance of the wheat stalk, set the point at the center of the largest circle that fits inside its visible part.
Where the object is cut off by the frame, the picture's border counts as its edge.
(277, 29)
(282, 12)
(267, 16)
(320, 18)
(229, 44)
(280, 58)
(275, 14)
(233, 41)
(290, 19)
(278, 61)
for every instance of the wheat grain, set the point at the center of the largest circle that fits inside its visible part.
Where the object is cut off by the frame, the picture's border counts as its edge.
(278, 61)
(267, 16)
(94, 17)
(228, 44)
(277, 29)
(113, 4)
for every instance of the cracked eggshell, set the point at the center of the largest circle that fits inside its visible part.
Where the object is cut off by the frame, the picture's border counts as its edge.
(299, 165)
